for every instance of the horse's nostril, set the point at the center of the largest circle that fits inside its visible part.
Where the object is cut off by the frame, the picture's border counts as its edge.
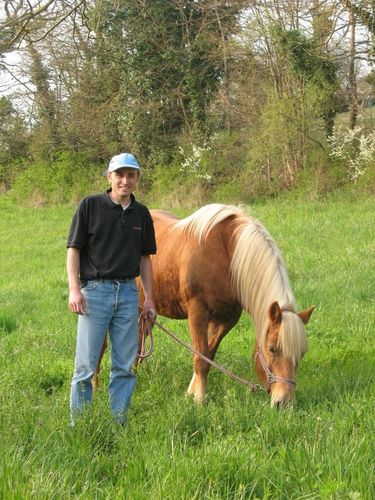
(275, 403)
(281, 404)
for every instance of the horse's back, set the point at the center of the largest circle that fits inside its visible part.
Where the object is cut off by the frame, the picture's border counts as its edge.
(187, 267)
(162, 215)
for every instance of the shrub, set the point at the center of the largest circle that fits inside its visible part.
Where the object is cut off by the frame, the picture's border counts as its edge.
(9, 171)
(195, 163)
(354, 148)
(67, 179)
(289, 136)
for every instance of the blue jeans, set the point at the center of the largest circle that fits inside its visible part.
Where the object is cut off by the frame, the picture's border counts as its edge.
(111, 306)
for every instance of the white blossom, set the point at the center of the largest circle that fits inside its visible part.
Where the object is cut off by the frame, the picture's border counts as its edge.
(355, 148)
(194, 164)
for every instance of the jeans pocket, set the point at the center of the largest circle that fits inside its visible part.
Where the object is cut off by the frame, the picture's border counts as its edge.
(90, 284)
(133, 285)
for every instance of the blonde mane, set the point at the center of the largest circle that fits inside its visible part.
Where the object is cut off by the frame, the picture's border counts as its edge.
(258, 274)
(200, 223)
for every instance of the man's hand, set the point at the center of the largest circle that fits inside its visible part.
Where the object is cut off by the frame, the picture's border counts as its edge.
(149, 309)
(77, 302)
(146, 279)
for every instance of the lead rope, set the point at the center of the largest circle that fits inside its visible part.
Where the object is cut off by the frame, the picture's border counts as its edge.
(146, 323)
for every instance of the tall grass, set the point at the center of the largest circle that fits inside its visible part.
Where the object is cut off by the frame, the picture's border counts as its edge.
(233, 447)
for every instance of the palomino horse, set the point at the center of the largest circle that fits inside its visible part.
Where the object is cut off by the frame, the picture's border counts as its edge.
(212, 265)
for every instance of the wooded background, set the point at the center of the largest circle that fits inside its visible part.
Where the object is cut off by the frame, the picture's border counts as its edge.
(225, 100)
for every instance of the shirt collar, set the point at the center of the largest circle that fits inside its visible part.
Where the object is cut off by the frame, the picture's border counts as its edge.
(111, 204)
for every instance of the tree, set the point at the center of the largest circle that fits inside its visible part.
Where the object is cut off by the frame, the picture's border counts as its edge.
(352, 73)
(13, 132)
(46, 130)
(364, 10)
(307, 61)
(32, 21)
(172, 65)
(13, 141)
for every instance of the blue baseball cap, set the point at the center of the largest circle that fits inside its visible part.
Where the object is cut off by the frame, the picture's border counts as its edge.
(123, 160)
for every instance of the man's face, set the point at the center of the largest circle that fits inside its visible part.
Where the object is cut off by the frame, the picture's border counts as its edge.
(123, 182)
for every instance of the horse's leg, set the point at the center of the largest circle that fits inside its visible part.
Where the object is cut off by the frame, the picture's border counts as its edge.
(198, 325)
(95, 378)
(216, 333)
(218, 330)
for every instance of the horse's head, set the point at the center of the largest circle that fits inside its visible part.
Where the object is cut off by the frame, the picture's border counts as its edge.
(285, 344)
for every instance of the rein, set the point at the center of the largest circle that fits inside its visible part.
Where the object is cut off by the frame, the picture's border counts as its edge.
(271, 377)
(146, 323)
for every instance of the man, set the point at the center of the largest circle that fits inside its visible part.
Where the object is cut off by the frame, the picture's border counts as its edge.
(110, 241)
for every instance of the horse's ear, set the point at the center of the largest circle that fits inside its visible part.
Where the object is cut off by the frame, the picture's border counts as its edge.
(274, 313)
(305, 315)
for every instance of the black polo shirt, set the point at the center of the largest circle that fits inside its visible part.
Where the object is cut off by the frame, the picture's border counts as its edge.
(111, 240)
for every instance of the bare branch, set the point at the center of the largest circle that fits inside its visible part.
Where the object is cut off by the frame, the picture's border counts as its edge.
(30, 14)
(25, 20)
(58, 22)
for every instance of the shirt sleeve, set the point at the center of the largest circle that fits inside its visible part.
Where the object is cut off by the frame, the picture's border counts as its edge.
(148, 235)
(77, 236)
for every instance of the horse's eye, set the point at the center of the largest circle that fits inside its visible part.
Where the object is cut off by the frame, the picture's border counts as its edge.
(272, 349)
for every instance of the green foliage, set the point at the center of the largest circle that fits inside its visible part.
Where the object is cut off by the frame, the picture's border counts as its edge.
(13, 133)
(90, 117)
(13, 143)
(66, 179)
(46, 137)
(305, 58)
(227, 163)
(214, 171)
(170, 70)
(173, 186)
(289, 134)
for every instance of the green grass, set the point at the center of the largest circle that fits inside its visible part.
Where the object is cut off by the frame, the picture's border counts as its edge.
(233, 447)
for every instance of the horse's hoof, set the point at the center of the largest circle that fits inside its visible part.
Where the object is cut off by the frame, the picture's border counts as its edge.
(199, 399)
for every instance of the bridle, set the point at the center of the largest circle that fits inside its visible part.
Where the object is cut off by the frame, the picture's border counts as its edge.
(271, 377)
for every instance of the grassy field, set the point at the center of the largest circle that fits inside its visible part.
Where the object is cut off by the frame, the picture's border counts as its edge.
(233, 447)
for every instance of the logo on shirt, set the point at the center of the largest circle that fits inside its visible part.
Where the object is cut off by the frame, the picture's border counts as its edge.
(137, 228)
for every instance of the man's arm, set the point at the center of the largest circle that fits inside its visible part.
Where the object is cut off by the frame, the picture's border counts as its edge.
(146, 278)
(77, 302)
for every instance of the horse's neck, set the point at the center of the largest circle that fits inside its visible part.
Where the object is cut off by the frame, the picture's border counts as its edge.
(259, 275)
